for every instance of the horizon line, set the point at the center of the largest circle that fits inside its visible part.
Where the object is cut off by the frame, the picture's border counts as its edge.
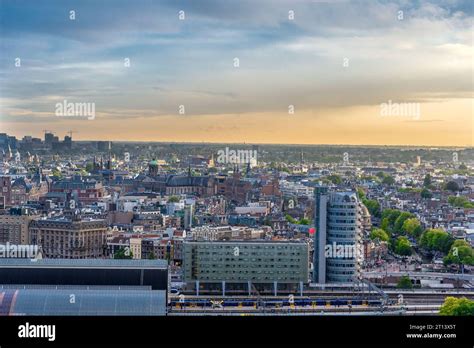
(270, 144)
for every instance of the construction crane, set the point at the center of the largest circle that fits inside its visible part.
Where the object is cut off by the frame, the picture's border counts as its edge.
(70, 132)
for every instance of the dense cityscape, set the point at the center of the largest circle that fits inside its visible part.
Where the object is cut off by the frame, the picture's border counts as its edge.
(239, 228)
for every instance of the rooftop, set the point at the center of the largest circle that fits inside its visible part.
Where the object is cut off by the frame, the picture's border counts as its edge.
(249, 241)
(88, 302)
(83, 263)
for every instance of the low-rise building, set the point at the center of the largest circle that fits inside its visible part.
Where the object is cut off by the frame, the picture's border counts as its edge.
(244, 262)
(73, 238)
(14, 226)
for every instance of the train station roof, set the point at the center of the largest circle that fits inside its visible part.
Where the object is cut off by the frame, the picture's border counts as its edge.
(83, 263)
(80, 302)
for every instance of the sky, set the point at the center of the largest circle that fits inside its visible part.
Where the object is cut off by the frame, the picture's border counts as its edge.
(300, 72)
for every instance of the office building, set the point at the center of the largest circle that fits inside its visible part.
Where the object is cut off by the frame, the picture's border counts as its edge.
(246, 262)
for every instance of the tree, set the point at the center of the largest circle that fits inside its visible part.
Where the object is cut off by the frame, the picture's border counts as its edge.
(152, 256)
(284, 169)
(368, 178)
(378, 233)
(460, 202)
(57, 174)
(436, 240)
(391, 215)
(409, 190)
(388, 180)
(373, 206)
(452, 186)
(360, 193)
(290, 219)
(173, 199)
(303, 221)
(425, 193)
(427, 180)
(385, 224)
(89, 167)
(335, 179)
(402, 246)
(412, 227)
(405, 283)
(123, 253)
(462, 166)
(460, 253)
(457, 306)
(397, 227)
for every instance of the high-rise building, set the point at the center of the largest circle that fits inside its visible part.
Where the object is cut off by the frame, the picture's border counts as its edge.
(7, 142)
(418, 160)
(48, 138)
(188, 216)
(67, 142)
(338, 248)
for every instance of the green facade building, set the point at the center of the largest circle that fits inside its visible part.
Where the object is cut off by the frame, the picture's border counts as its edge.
(256, 261)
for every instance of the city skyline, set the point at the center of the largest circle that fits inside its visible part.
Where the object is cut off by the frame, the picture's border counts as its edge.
(306, 72)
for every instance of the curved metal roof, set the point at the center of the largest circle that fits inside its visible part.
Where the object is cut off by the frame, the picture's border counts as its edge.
(82, 302)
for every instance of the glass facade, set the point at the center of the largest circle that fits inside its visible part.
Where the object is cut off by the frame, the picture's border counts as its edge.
(338, 243)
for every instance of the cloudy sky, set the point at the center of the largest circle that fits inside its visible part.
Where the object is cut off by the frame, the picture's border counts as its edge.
(334, 63)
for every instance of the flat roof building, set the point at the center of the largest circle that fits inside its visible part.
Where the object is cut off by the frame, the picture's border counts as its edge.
(246, 262)
(83, 287)
(14, 226)
(110, 272)
(70, 238)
